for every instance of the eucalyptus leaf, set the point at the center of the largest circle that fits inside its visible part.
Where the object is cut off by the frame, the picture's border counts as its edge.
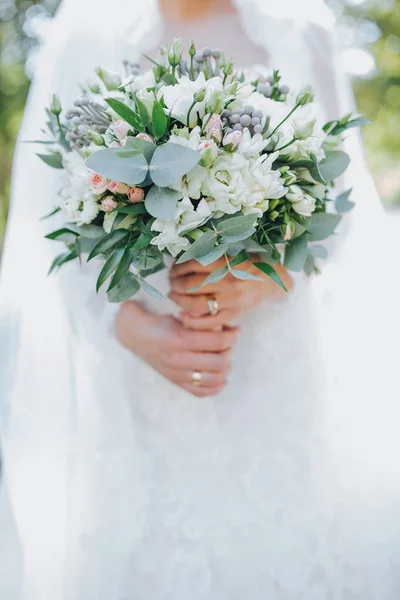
(63, 235)
(239, 258)
(125, 112)
(149, 289)
(236, 226)
(108, 162)
(122, 268)
(343, 204)
(61, 259)
(162, 202)
(126, 288)
(309, 264)
(214, 255)
(318, 251)
(109, 267)
(244, 275)
(159, 120)
(142, 146)
(155, 269)
(214, 277)
(201, 247)
(296, 253)
(316, 173)
(232, 239)
(270, 271)
(322, 225)
(115, 238)
(334, 164)
(93, 232)
(53, 160)
(170, 162)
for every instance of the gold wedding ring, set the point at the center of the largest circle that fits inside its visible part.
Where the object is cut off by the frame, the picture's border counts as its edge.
(213, 306)
(196, 378)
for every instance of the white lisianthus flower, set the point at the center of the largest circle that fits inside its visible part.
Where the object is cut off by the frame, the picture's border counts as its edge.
(224, 182)
(263, 184)
(89, 212)
(147, 98)
(251, 146)
(190, 184)
(179, 98)
(78, 175)
(192, 141)
(189, 218)
(303, 203)
(168, 238)
(143, 81)
(70, 210)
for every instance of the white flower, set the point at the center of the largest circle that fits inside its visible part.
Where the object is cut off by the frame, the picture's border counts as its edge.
(89, 212)
(191, 183)
(251, 146)
(143, 81)
(147, 98)
(303, 203)
(263, 183)
(224, 182)
(192, 141)
(78, 175)
(187, 218)
(70, 210)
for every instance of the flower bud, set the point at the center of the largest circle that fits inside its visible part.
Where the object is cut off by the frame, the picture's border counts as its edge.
(288, 231)
(175, 53)
(192, 49)
(209, 152)
(136, 194)
(111, 80)
(200, 95)
(232, 140)
(95, 137)
(94, 87)
(121, 129)
(146, 137)
(228, 68)
(55, 105)
(305, 96)
(109, 204)
(118, 188)
(215, 102)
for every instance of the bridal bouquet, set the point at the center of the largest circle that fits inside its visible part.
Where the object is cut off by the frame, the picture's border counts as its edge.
(197, 160)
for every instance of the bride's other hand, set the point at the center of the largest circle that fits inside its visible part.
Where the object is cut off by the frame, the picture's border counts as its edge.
(176, 352)
(234, 296)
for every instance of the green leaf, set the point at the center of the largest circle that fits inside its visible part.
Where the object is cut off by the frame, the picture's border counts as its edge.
(50, 214)
(61, 259)
(236, 226)
(296, 253)
(162, 202)
(108, 162)
(334, 164)
(239, 259)
(132, 209)
(125, 112)
(62, 235)
(118, 218)
(143, 147)
(214, 255)
(109, 267)
(270, 271)
(155, 269)
(201, 247)
(315, 172)
(53, 160)
(322, 225)
(343, 203)
(149, 289)
(214, 277)
(144, 115)
(159, 119)
(309, 264)
(232, 239)
(170, 162)
(318, 251)
(93, 232)
(126, 288)
(122, 269)
(244, 275)
(143, 241)
(115, 238)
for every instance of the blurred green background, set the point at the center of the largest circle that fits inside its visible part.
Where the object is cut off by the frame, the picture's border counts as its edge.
(369, 33)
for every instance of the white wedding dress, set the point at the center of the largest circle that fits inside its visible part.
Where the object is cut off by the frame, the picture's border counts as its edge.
(117, 485)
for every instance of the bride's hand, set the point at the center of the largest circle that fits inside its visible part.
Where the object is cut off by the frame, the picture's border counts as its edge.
(234, 296)
(176, 352)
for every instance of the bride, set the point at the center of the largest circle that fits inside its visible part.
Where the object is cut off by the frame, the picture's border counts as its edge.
(123, 479)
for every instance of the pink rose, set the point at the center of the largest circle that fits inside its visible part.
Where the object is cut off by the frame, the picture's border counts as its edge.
(233, 139)
(109, 204)
(121, 129)
(136, 194)
(98, 183)
(118, 188)
(209, 151)
(145, 137)
(214, 128)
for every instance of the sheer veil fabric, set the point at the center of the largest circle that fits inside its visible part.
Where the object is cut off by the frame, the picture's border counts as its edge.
(118, 486)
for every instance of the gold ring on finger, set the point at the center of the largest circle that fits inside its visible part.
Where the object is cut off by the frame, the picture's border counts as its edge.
(213, 306)
(196, 378)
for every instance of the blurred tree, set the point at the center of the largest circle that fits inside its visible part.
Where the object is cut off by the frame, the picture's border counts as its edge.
(366, 26)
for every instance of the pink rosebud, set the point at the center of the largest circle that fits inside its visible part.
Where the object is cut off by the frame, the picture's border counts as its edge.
(121, 129)
(145, 137)
(98, 183)
(109, 204)
(136, 194)
(288, 233)
(209, 147)
(233, 138)
(214, 128)
(118, 188)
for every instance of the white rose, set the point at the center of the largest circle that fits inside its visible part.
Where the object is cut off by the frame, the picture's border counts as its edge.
(224, 182)
(263, 183)
(251, 146)
(303, 203)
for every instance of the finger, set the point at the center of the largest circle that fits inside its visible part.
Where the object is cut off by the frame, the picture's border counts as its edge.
(208, 341)
(208, 322)
(208, 380)
(201, 392)
(198, 304)
(200, 361)
(192, 266)
(186, 283)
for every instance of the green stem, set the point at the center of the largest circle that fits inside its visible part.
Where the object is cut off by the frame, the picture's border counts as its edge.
(286, 145)
(190, 110)
(284, 120)
(192, 67)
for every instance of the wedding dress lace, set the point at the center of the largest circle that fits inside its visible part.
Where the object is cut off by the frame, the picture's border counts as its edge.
(117, 485)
